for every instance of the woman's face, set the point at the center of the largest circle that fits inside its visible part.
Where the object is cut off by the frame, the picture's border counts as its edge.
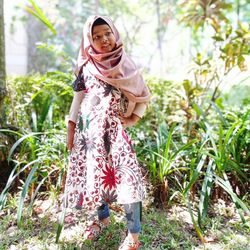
(103, 38)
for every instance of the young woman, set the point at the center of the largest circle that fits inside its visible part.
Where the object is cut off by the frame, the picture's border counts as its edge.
(109, 95)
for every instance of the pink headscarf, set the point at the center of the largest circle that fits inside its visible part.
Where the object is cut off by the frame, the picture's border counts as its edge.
(114, 67)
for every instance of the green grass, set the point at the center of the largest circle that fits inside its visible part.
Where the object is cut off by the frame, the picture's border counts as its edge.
(171, 229)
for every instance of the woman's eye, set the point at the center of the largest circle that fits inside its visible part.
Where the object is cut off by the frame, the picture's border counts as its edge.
(96, 37)
(108, 33)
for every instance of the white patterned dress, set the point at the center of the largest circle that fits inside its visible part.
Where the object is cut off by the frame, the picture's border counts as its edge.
(103, 167)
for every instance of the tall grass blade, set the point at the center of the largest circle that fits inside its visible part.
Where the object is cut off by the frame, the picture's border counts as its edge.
(24, 193)
(184, 147)
(11, 179)
(205, 191)
(222, 118)
(196, 173)
(17, 143)
(237, 201)
(60, 224)
(44, 113)
(196, 226)
(32, 200)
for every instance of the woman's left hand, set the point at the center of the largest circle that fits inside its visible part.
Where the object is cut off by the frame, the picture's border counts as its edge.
(129, 121)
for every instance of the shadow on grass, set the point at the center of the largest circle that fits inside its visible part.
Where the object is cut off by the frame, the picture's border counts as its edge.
(160, 230)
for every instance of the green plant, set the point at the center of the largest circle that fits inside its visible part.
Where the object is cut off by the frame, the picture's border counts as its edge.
(39, 159)
(165, 157)
(226, 49)
(38, 13)
(197, 13)
(39, 102)
(222, 162)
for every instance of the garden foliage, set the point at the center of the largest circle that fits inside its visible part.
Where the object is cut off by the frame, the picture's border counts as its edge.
(194, 145)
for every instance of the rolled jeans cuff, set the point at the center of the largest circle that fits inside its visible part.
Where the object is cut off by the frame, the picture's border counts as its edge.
(103, 212)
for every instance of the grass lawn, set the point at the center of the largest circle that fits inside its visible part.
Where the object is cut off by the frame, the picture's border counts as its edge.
(168, 229)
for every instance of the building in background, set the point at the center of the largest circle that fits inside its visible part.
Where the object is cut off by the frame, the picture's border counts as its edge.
(16, 41)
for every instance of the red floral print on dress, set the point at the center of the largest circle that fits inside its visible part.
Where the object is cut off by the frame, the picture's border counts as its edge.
(102, 166)
(110, 178)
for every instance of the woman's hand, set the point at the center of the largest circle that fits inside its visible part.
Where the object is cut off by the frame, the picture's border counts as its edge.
(129, 121)
(70, 135)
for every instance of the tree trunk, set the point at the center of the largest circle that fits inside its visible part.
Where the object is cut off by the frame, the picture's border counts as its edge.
(5, 140)
(2, 67)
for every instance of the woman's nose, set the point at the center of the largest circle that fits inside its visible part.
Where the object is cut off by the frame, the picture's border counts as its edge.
(104, 39)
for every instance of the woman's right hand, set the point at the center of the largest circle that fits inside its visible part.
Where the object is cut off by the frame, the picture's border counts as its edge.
(70, 135)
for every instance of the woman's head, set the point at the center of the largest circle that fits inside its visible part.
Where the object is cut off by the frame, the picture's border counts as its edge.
(100, 40)
(104, 40)
(102, 53)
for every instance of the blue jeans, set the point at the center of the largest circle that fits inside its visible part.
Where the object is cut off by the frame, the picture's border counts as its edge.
(132, 212)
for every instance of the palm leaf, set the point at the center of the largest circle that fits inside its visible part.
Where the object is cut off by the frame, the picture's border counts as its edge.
(37, 12)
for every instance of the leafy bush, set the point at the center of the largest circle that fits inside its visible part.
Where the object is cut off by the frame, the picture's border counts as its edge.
(39, 102)
(37, 106)
(39, 164)
(202, 153)
(188, 152)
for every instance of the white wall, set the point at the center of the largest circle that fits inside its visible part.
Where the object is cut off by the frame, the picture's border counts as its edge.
(16, 43)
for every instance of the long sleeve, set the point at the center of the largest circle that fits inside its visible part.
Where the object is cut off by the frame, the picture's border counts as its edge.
(75, 105)
(140, 109)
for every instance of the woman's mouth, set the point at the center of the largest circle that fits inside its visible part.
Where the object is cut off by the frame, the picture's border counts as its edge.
(105, 46)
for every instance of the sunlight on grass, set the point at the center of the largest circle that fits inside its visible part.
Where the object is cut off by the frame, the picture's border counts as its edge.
(170, 229)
